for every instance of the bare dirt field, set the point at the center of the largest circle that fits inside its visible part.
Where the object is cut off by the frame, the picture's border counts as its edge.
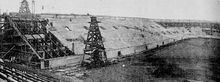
(192, 60)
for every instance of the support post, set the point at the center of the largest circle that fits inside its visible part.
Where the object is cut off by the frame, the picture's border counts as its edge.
(42, 65)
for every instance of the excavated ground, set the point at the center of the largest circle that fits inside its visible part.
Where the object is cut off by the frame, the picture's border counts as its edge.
(192, 60)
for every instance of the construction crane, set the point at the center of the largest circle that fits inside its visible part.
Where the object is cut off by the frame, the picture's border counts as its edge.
(94, 47)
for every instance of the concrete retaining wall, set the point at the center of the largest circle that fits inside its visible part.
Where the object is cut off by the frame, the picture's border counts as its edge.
(112, 53)
(131, 50)
(63, 61)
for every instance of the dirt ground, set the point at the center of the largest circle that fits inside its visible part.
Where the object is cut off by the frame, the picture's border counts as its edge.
(194, 60)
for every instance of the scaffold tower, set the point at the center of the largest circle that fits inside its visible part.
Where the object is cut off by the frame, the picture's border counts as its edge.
(24, 8)
(94, 46)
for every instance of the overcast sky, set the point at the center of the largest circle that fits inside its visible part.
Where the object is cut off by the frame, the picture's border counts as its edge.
(159, 9)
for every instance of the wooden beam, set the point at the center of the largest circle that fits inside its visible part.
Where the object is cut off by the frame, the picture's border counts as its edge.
(23, 37)
(7, 52)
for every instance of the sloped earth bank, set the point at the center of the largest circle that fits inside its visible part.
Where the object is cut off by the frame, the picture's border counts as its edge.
(192, 60)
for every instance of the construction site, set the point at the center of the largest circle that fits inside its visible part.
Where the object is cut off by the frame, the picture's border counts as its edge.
(50, 47)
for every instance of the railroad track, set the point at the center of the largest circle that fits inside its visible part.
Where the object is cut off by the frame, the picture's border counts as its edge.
(13, 74)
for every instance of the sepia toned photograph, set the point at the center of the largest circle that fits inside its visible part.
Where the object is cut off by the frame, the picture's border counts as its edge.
(109, 40)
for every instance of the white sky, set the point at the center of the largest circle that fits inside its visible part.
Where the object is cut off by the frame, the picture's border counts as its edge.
(160, 9)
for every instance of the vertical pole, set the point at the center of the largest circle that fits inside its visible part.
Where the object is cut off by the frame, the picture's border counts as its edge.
(72, 47)
(33, 8)
(42, 66)
(211, 29)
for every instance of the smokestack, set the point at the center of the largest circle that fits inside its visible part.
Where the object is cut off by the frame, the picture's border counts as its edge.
(33, 6)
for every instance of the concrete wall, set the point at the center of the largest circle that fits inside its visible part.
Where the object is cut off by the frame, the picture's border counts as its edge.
(63, 61)
(111, 53)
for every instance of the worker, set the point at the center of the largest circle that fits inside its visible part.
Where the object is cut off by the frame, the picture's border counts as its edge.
(2, 29)
(51, 24)
(13, 59)
(1, 60)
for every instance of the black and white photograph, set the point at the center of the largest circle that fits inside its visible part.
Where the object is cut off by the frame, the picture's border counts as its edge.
(109, 40)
